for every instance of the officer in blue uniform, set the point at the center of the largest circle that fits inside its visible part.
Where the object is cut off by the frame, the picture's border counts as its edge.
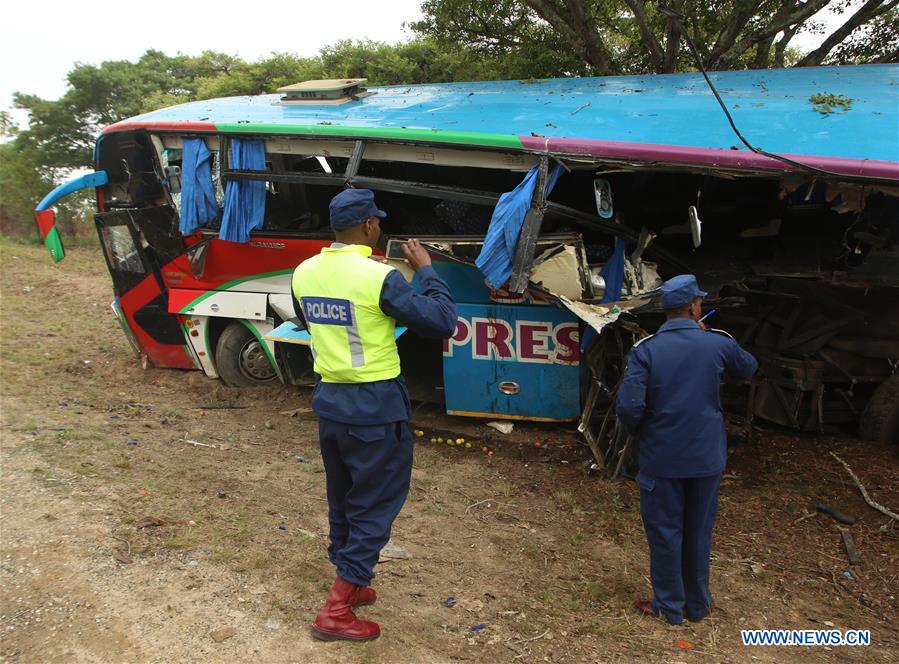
(351, 305)
(670, 401)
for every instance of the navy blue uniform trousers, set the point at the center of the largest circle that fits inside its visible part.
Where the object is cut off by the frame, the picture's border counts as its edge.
(678, 516)
(368, 469)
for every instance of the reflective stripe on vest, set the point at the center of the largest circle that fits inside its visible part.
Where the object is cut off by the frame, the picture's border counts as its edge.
(352, 339)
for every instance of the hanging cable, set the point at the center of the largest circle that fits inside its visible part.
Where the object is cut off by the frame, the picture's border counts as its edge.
(677, 17)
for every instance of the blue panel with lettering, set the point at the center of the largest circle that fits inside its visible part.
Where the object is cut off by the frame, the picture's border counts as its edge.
(328, 311)
(517, 362)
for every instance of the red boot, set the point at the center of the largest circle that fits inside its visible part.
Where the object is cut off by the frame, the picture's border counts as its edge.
(336, 621)
(363, 596)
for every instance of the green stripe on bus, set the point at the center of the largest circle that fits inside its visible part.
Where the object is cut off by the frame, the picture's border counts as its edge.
(396, 133)
(54, 245)
(224, 287)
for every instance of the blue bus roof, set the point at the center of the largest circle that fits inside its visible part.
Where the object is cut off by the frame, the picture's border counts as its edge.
(843, 118)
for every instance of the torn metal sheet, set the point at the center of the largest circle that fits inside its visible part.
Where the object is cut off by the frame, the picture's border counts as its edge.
(557, 270)
(598, 316)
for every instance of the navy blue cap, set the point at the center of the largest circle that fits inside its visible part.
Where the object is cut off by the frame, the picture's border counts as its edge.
(353, 206)
(680, 290)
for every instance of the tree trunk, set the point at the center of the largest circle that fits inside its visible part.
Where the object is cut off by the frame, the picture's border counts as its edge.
(583, 37)
(868, 11)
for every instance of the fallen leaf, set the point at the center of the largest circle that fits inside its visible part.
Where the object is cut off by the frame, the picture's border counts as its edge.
(686, 645)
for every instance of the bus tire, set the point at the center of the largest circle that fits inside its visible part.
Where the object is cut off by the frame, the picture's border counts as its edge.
(241, 360)
(880, 419)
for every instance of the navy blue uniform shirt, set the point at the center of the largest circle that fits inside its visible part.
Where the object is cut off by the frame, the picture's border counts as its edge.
(670, 398)
(431, 314)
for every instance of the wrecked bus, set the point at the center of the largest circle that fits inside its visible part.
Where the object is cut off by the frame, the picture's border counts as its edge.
(553, 208)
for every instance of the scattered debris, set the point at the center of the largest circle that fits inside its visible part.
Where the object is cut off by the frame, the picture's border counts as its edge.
(27, 289)
(449, 602)
(222, 407)
(861, 487)
(848, 575)
(805, 515)
(269, 425)
(827, 103)
(194, 442)
(282, 526)
(480, 627)
(835, 513)
(502, 427)
(156, 522)
(686, 645)
(851, 551)
(392, 551)
(223, 634)
(295, 411)
(131, 441)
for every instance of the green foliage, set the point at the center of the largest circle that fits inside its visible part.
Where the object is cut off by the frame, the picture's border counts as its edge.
(23, 182)
(826, 103)
(574, 37)
(876, 42)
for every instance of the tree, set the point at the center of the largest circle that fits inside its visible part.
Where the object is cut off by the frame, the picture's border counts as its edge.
(635, 36)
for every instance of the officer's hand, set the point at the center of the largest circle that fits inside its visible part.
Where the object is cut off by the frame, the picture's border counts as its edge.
(416, 254)
(702, 326)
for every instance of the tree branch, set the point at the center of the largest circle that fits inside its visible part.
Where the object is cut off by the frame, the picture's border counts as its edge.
(638, 9)
(780, 22)
(672, 39)
(781, 48)
(583, 35)
(871, 9)
(731, 30)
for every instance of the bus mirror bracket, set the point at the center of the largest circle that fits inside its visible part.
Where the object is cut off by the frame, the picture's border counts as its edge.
(45, 215)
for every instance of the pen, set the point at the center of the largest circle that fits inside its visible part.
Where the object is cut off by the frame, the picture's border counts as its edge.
(708, 314)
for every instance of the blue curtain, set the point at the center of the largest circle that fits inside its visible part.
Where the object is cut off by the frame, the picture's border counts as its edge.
(613, 273)
(198, 204)
(244, 199)
(495, 259)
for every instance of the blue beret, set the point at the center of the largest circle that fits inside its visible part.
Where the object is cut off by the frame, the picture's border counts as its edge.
(353, 206)
(680, 290)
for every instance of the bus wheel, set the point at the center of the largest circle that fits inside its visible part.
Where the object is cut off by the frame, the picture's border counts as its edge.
(880, 419)
(240, 358)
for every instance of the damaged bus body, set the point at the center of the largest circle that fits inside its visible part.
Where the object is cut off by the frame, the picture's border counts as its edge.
(553, 208)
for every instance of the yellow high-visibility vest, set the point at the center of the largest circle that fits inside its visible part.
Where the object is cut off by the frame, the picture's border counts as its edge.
(352, 339)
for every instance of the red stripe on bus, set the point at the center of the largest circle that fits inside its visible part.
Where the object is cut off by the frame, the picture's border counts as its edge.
(160, 125)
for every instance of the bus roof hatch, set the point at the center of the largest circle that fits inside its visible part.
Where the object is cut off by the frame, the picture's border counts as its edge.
(331, 91)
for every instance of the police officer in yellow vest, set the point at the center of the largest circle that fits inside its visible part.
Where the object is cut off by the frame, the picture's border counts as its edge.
(351, 305)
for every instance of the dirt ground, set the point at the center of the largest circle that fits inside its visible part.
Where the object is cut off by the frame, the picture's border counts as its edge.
(157, 516)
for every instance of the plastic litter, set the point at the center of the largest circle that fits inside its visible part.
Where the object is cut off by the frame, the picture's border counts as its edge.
(393, 551)
(502, 427)
(131, 441)
(113, 417)
(449, 602)
(848, 575)
(282, 526)
(480, 627)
